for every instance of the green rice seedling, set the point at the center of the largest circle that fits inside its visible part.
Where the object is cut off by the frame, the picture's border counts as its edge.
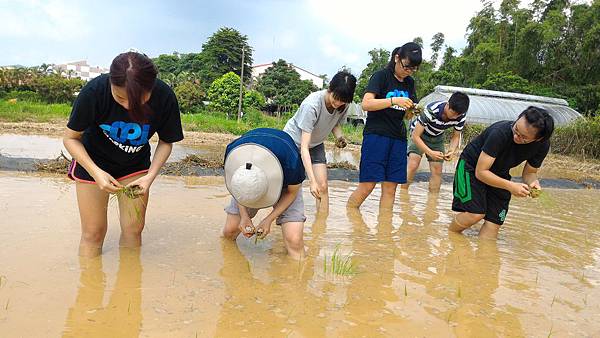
(340, 264)
(543, 197)
(553, 300)
(405, 291)
(458, 292)
(131, 192)
(258, 235)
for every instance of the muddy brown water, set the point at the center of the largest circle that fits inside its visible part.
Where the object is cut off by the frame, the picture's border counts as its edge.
(542, 277)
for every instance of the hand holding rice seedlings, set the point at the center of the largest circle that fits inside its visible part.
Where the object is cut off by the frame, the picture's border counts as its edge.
(131, 192)
(449, 156)
(542, 196)
(412, 111)
(341, 265)
(259, 235)
(340, 142)
(535, 192)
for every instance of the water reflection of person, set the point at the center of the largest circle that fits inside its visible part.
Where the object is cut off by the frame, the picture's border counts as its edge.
(281, 306)
(370, 292)
(469, 277)
(122, 316)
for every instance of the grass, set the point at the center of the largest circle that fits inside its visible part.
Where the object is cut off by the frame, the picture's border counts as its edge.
(339, 264)
(22, 111)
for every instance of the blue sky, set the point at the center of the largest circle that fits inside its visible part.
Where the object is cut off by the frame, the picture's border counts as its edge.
(320, 36)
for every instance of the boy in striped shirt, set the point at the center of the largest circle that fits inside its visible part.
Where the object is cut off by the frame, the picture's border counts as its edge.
(427, 136)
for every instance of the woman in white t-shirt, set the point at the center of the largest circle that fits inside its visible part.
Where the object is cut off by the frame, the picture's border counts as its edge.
(320, 114)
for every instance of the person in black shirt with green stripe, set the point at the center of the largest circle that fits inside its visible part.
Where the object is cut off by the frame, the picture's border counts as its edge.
(482, 183)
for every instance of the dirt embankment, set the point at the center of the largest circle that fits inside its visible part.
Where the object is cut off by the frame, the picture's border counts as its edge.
(557, 168)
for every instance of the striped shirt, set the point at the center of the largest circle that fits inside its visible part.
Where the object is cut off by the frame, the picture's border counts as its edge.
(431, 119)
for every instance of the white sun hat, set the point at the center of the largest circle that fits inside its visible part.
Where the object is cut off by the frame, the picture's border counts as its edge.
(253, 176)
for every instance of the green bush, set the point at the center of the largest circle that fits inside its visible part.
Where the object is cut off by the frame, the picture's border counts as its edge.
(189, 96)
(253, 99)
(56, 89)
(581, 138)
(223, 94)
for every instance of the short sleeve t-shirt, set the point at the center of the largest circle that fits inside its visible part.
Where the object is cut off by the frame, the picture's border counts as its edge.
(433, 122)
(282, 146)
(497, 141)
(313, 117)
(389, 122)
(110, 136)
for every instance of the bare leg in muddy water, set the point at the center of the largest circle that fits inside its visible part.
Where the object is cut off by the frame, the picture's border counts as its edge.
(465, 220)
(93, 207)
(322, 204)
(132, 216)
(293, 234)
(388, 194)
(361, 193)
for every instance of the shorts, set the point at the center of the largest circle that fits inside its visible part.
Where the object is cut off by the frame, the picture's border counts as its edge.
(435, 143)
(473, 196)
(382, 159)
(317, 154)
(294, 213)
(78, 173)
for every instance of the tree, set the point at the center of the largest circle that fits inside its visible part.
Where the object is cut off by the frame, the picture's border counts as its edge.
(379, 59)
(419, 41)
(436, 45)
(506, 82)
(166, 63)
(281, 84)
(189, 96)
(223, 94)
(254, 99)
(222, 53)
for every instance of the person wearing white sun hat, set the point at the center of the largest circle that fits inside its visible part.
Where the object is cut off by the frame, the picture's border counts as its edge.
(263, 169)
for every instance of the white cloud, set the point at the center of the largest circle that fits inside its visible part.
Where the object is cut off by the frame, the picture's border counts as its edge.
(287, 40)
(334, 51)
(54, 20)
(391, 23)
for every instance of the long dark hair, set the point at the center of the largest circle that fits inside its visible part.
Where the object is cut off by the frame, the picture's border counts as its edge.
(410, 51)
(540, 119)
(137, 73)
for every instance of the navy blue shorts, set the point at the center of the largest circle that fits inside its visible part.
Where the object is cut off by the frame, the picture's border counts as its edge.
(382, 159)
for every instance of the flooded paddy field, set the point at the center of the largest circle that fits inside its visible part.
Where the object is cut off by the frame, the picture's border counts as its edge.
(541, 278)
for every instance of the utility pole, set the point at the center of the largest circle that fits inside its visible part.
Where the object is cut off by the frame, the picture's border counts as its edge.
(239, 115)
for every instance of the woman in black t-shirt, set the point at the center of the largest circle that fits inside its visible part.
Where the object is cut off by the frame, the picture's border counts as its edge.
(482, 182)
(390, 92)
(112, 120)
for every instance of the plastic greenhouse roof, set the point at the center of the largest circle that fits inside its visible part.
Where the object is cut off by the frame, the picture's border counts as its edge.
(488, 106)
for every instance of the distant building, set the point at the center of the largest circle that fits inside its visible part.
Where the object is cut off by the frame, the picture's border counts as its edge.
(78, 69)
(257, 70)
